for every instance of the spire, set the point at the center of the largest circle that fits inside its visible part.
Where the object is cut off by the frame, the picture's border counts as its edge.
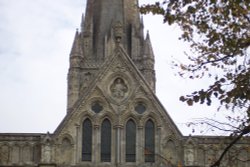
(82, 23)
(104, 14)
(147, 36)
(142, 22)
(76, 48)
(141, 27)
(88, 15)
(74, 71)
(108, 23)
(148, 62)
(148, 48)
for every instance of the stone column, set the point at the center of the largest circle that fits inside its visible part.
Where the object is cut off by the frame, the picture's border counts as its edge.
(78, 145)
(118, 144)
(140, 145)
(21, 156)
(96, 144)
(122, 146)
(158, 143)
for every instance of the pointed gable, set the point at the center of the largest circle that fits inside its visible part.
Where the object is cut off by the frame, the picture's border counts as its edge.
(118, 87)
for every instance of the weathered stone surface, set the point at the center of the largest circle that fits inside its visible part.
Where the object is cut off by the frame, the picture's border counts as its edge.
(111, 77)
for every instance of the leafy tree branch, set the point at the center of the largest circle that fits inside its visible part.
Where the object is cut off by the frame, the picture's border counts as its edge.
(219, 38)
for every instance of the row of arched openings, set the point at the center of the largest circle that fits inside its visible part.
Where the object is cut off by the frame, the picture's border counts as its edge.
(130, 139)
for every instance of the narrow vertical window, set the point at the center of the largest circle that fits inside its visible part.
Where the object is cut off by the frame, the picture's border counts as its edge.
(86, 140)
(149, 150)
(106, 141)
(130, 141)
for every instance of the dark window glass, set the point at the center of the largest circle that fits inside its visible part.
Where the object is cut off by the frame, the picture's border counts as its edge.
(130, 141)
(149, 150)
(97, 107)
(106, 141)
(140, 108)
(86, 140)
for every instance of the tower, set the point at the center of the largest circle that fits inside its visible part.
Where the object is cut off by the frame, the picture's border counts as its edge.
(105, 22)
(114, 118)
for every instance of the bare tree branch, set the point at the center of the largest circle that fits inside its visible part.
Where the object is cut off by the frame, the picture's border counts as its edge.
(245, 131)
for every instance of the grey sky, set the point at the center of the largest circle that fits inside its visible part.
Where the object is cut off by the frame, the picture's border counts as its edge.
(35, 41)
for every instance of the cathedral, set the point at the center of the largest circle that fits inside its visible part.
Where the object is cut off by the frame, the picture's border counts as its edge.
(114, 118)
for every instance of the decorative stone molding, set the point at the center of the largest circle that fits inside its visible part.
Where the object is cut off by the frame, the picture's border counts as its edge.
(119, 89)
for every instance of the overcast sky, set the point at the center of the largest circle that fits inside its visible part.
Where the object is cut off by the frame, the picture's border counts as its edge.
(35, 40)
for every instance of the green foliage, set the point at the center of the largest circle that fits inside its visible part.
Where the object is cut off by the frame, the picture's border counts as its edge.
(219, 35)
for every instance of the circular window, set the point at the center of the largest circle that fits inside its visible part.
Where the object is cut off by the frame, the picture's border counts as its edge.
(140, 108)
(96, 107)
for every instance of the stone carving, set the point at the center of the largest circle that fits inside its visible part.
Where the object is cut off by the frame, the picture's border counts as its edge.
(86, 43)
(119, 68)
(119, 89)
(4, 155)
(86, 79)
(96, 107)
(210, 156)
(189, 157)
(118, 31)
(66, 151)
(140, 107)
(27, 154)
(121, 108)
(47, 153)
(201, 155)
(15, 154)
(171, 152)
(36, 153)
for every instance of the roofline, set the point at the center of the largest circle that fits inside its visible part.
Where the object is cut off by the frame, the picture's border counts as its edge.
(22, 134)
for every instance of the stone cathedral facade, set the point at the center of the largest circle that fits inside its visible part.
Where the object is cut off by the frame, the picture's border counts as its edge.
(113, 115)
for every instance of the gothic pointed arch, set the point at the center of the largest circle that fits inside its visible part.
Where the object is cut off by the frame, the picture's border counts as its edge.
(130, 141)
(68, 137)
(5, 149)
(130, 115)
(201, 154)
(149, 147)
(27, 151)
(66, 150)
(171, 153)
(108, 114)
(106, 140)
(154, 117)
(86, 140)
(15, 154)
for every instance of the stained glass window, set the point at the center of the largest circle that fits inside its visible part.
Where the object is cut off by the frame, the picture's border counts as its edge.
(140, 108)
(86, 140)
(97, 107)
(106, 141)
(130, 141)
(149, 150)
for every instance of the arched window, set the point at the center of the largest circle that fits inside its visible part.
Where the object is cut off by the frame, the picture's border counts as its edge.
(130, 141)
(149, 150)
(86, 140)
(106, 141)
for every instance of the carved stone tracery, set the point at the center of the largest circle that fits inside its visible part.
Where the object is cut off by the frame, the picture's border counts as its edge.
(119, 89)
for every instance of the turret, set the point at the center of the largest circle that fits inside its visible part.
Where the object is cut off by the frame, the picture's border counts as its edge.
(148, 62)
(74, 73)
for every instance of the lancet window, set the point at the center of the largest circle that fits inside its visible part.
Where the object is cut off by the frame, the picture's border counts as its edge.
(130, 141)
(106, 141)
(86, 140)
(149, 149)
